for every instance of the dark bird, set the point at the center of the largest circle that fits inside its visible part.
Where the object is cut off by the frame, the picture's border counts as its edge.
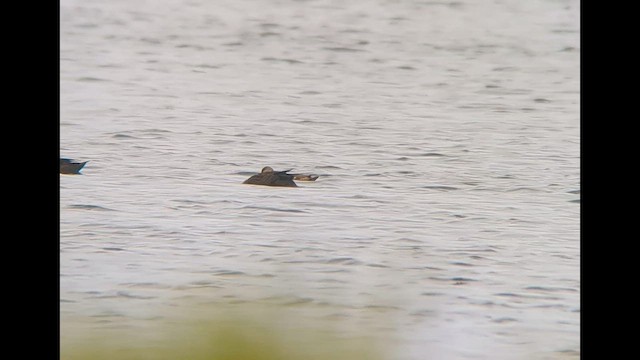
(269, 177)
(69, 166)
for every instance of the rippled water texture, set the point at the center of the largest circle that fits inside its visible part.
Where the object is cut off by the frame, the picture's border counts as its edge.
(446, 135)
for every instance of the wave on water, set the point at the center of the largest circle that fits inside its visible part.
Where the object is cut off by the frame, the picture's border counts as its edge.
(440, 187)
(274, 209)
(89, 207)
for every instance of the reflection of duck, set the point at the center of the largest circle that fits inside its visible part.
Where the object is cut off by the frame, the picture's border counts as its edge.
(269, 177)
(68, 166)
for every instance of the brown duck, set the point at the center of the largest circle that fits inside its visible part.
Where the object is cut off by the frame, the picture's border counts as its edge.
(68, 166)
(269, 177)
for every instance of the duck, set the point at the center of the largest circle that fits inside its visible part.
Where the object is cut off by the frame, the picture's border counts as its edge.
(305, 177)
(69, 166)
(269, 177)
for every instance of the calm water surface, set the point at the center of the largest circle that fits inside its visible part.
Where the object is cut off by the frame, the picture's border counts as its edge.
(445, 221)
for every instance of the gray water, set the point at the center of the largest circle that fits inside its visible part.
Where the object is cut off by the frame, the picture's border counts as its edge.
(445, 133)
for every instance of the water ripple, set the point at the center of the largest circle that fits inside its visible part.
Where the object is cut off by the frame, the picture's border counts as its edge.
(274, 209)
(89, 207)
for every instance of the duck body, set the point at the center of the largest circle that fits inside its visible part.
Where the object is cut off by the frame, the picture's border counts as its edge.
(269, 177)
(69, 166)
